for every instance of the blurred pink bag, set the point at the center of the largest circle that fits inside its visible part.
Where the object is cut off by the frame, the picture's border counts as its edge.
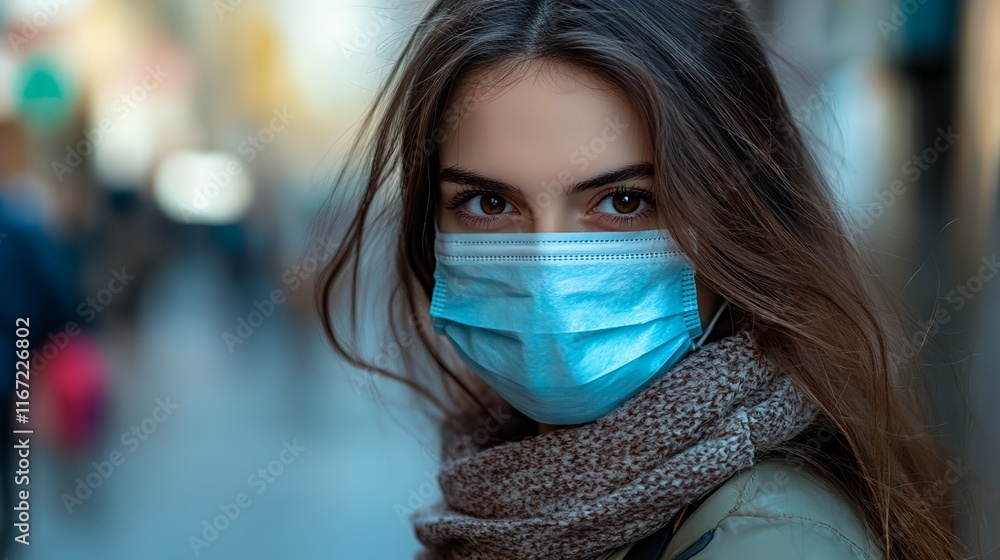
(74, 392)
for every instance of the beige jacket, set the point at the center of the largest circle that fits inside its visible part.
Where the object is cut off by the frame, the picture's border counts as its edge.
(777, 510)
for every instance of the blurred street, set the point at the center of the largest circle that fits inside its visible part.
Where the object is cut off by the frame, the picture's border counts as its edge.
(234, 413)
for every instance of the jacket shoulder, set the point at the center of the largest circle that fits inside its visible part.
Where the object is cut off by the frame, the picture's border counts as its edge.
(778, 510)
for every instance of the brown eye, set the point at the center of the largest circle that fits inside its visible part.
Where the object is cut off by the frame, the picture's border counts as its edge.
(492, 204)
(625, 203)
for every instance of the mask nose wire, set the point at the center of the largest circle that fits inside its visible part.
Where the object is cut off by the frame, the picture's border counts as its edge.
(711, 324)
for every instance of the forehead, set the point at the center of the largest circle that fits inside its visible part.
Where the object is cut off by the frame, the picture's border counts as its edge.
(543, 120)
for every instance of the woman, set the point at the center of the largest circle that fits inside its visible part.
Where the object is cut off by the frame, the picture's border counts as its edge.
(659, 341)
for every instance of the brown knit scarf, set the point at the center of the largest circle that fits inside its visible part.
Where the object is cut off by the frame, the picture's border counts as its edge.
(578, 492)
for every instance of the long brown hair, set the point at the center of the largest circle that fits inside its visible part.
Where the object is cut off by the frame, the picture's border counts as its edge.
(733, 164)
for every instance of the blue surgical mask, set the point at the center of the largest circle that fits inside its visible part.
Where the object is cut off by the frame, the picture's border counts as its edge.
(565, 326)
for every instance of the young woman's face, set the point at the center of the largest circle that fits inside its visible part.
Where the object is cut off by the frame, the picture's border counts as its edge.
(555, 152)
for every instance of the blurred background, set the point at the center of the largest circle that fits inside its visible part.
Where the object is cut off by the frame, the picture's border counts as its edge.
(160, 161)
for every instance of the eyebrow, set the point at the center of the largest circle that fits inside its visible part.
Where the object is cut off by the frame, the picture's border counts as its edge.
(462, 176)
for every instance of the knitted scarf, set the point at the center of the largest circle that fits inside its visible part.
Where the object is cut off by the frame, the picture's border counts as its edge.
(581, 491)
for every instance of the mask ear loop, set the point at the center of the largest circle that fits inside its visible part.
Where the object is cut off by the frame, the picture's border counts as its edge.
(711, 325)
